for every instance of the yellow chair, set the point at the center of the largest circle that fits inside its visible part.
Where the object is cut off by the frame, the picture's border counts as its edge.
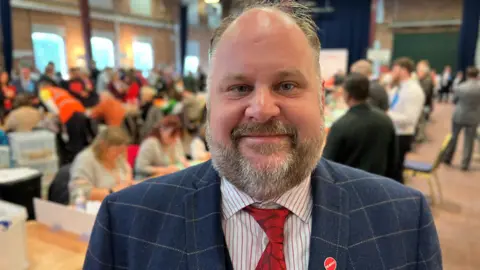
(429, 170)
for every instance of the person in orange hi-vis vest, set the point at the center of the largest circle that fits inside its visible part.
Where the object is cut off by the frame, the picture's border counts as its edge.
(71, 114)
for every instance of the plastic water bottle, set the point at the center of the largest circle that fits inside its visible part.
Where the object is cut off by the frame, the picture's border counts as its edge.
(81, 201)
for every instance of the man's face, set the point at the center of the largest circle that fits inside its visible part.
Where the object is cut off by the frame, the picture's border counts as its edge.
(420, 70)
(26, 73)
(396, 73)
(265, 123)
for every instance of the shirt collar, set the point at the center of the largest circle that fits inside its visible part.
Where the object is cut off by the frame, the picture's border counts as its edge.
(298, 200)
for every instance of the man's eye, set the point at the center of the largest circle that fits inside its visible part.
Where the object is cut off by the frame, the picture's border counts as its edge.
(286, 87)
(241, 88)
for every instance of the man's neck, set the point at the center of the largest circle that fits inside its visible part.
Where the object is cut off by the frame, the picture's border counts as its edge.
(405, 79)
(353, 103)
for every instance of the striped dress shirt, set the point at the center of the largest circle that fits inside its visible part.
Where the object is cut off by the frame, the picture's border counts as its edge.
(246, 240)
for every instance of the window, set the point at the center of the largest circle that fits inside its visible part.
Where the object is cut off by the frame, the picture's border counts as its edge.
(192, 59)
(380, 16)
(141, 7)
(191, 64)
(214, 15)
(192, 14)
(103, 52)
(143, 56)
(48, 47)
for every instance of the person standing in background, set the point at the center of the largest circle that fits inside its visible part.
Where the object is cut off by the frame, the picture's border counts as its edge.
(458, 79)
(50, 75)
(363, 138)
(94, 72)
(202, 80)
(466, 116)
(25, 84)
(103, 80)
(406, 107)
(378, 96)
(71, 113)
(446, 81)
(7, 95)
(425, 80)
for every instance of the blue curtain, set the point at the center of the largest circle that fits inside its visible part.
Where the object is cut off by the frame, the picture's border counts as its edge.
(348, 27)
(183, 35)
(6, 28)
(468, 34)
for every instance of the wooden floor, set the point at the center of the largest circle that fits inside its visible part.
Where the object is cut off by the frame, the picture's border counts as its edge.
(458, 217)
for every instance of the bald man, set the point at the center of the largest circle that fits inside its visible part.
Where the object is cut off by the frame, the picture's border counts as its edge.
(266, 200)
(378, 97)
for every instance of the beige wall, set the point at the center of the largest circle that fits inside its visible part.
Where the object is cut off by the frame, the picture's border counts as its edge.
(23, 20)
(416, 10)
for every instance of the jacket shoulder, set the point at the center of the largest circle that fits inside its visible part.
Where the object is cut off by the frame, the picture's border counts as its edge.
(163, 188)
(366, 186)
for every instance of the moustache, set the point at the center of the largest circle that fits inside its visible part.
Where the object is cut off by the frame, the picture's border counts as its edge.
(271, 128)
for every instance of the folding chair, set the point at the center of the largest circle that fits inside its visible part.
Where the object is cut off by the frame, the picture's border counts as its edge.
(429, 170)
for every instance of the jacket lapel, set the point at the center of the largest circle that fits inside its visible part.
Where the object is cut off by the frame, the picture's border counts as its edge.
(205, 241)
(330, 220)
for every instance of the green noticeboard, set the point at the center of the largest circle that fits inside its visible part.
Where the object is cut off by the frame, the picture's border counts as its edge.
(440, 48)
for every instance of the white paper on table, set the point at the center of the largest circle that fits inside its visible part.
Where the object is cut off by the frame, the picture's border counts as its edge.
(15, 174)
(93, 207)
(63, 217)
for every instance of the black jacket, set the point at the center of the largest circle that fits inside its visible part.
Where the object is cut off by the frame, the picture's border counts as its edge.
(364, 138)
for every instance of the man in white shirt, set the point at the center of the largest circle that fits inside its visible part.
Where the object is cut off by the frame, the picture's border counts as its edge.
(406, 106)
(267, 200)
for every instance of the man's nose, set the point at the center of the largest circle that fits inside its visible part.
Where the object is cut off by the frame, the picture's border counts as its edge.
(262, 105)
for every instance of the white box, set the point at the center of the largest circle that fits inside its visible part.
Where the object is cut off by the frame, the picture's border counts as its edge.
(64, 217)
(13, 239)
(47, 166)
(4, 157)
(34, 145)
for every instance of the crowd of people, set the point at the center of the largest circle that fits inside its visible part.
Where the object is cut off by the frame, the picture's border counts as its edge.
(112, 126)
(386, 117)
(163, 117)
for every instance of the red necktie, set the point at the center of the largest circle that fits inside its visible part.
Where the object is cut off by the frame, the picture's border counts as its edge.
(272, 222)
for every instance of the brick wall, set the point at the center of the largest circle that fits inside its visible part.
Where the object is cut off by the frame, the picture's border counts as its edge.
(416, 10)
(24, 19)
(163, 45)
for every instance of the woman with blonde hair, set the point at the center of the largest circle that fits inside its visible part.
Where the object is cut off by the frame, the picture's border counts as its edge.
(102, 168)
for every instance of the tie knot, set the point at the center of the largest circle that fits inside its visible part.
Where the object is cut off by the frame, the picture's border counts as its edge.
(272, 221)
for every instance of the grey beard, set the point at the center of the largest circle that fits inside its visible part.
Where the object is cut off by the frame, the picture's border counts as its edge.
(272, 180)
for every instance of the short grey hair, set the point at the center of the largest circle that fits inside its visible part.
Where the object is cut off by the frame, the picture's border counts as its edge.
(363, 67)
(298, 12)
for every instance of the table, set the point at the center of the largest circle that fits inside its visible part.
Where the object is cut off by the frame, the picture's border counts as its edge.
(48, 250)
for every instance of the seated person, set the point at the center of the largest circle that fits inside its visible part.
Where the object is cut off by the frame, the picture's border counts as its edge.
(117, 87)
(133, 91)
(150, 113)
(24, 116)
(110, 109)
(102, 168)
(198, 146)
(162, 150)
(3, 138)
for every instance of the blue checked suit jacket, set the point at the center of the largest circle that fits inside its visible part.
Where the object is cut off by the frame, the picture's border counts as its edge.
(364, 221)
